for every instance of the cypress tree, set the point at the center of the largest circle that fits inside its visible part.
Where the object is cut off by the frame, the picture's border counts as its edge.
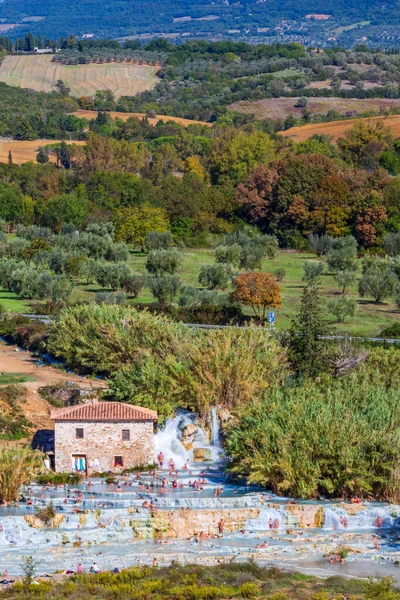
(307, 351)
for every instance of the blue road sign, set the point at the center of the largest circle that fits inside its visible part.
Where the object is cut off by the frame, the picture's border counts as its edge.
(271, 317)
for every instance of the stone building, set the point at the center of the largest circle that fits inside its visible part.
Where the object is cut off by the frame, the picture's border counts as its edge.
(103, 436)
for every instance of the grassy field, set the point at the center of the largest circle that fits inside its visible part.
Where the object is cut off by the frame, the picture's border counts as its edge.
(340, 30)
(286, 73)
(14, 378)
(12, 303)
(24, 151)
(369, 320)
(41, 74)
(92, 114)
(280, 108)
(336, 129)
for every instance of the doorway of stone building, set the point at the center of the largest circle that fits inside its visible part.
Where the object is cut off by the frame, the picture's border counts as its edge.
(79, 463)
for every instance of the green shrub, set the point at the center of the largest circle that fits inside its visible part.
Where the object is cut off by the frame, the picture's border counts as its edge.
(248, 590)
(59, 478)
(392, 331)
(343, 551)
(277, 437)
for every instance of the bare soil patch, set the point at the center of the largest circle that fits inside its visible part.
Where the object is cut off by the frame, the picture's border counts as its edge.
(37, 410)
(280, 108)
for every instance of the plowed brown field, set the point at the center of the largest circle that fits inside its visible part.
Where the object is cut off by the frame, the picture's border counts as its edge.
(280, 108)
(337, 128)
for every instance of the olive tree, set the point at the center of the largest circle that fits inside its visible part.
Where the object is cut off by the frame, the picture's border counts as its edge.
(343, 254)
(158, 240)
(160, 262)
(215, 276)
(342, 307)
(344, 279)
(320, 244)
(312, 270)
(165, 287)
(228, 254)
(377, 281)
(391, 243)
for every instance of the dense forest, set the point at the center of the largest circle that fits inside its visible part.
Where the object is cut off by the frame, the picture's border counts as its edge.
(122, 18)
(208, 180)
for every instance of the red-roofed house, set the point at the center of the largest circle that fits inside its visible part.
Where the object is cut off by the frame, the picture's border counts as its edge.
(103, 436)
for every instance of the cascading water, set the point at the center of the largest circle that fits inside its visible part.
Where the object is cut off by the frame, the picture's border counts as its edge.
(168, 440)
(366, 517)
(215, 429)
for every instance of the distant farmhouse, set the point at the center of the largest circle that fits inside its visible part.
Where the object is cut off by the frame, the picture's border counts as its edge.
(103, 436)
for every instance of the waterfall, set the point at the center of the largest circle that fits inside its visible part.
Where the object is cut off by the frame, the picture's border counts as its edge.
(215, 429)
(167, 440)
(269, 518)
(362, 519)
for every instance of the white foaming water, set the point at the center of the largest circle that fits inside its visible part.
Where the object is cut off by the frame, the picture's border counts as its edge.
(366, 518)
(269, 518)
(168, 442)
(215, 429)
(169, 439)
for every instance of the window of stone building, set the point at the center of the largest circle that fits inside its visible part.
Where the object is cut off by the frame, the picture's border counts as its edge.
(79, 433)
(126, 435)
(118, 462)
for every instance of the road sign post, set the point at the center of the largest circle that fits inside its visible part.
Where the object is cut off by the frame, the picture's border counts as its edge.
(271, 320)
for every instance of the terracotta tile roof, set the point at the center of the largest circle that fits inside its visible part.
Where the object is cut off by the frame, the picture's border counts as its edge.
(104, 411)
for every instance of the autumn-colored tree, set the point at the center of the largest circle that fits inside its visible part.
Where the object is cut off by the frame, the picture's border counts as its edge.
(192, 165)
(254, 195)
(330, 206)
(298, 211)
(235, 154)
(133, 224)
(366, 225)
(258, 290)
(108, 154)
(280, 195)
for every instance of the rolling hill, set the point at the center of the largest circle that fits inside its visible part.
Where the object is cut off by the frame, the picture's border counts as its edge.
(204, 18)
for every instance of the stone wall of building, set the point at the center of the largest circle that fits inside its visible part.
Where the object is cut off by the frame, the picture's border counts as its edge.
(101, 443)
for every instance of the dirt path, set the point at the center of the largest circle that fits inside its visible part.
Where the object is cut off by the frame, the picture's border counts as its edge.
(37, 410)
